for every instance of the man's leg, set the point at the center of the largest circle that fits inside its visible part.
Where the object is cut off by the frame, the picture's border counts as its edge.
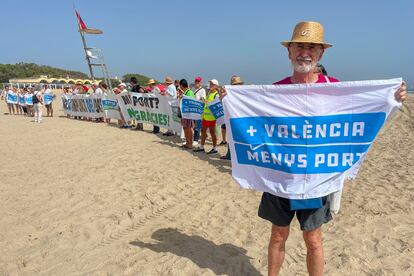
(188, 132)
(213, 135)
(314, 256)
(276, 250)
(223, 134)
(35, 112)
(203, 136)
(40, 113)
(203, 139)
(196, 132)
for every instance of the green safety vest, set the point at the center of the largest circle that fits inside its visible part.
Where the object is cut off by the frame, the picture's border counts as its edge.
(207, 115)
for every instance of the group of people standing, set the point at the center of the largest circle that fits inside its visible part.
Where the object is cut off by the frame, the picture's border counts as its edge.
(29, 101)
(194, 132)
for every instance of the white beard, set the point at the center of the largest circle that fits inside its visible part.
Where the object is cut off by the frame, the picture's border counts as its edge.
(305, 68)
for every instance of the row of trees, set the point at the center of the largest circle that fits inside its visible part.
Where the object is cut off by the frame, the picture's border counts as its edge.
(28, 70)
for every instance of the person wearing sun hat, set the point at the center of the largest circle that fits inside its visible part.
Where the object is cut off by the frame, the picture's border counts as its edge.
(152, 88)
(235, 80)
(171, 91)
(122, 88)
(305, 50)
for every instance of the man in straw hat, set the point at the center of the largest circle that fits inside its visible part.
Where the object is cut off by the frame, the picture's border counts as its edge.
(172, 92)
(305, 50)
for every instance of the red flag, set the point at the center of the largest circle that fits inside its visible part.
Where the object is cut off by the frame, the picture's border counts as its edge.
(82, 24)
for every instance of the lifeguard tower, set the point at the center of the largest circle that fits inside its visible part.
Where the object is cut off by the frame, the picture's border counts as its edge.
(94, 56)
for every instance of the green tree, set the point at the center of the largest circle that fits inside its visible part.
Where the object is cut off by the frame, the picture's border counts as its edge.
(29, 70)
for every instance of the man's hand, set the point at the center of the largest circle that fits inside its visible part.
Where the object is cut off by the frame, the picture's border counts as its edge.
(222, 93)
(180, 93)
(401, 93)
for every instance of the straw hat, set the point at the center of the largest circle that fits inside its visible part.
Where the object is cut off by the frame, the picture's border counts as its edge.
(151, 81)
(236, 80)
(168, 79)
(308, 32)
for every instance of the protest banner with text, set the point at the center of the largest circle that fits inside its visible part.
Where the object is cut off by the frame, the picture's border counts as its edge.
(216, 108)
(22, 100)
(81, 105)
(110, 106)
(12, 98)
(191, 108)
(29, 99)
(152, 109)
(303, 141)
(48, 98)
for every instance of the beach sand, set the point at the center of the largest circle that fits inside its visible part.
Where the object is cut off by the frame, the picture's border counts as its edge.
(83, 198)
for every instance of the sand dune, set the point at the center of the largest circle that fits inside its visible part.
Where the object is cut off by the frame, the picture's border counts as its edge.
(82, 198)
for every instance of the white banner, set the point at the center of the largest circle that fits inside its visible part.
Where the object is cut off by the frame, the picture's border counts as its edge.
(22, 100)
(11, 97)
(303, 141)
(110, 106)
(83, 105)
(66, 105)
(29, 99)
(151, 109)
(48, 98)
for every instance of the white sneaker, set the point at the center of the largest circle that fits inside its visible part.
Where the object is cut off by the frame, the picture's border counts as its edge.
(195, 143)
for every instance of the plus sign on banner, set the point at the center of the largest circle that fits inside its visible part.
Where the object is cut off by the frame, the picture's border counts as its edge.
(303, 141)
(251, 130)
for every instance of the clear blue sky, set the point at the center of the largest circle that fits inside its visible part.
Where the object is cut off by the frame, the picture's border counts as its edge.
(213, 39)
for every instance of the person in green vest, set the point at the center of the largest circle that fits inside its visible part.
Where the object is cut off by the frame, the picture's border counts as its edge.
(208, 120)
(187, 124)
